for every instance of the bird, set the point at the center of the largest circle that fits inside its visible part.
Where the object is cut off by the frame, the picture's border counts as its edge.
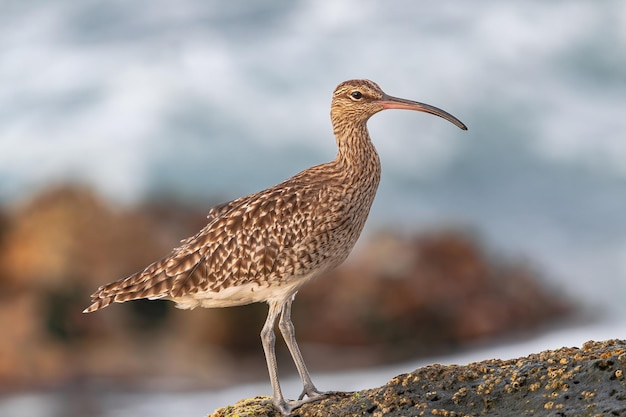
(265, 246)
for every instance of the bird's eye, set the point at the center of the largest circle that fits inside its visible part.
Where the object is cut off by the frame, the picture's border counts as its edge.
(356, 95)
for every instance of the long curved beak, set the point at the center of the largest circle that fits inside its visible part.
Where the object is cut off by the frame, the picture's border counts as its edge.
(389, 102)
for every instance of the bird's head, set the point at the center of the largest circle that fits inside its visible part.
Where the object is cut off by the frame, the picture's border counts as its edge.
(358, 100)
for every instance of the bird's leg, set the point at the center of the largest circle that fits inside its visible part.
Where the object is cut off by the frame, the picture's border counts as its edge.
(268, 340)
(287, 330)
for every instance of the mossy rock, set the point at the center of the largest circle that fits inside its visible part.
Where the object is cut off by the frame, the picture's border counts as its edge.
(567, 382)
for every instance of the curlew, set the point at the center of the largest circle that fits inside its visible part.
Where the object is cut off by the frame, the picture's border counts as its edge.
(265, 246)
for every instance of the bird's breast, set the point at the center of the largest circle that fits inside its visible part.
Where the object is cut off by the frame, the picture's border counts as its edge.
(339, 222)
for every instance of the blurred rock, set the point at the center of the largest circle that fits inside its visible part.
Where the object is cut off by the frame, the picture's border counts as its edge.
(55, 249)
(398, 297)
(423, 294)
(589, 381)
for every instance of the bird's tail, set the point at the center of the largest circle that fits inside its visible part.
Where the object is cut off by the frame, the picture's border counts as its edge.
(150, 283)
(115, 292)
(98, 303)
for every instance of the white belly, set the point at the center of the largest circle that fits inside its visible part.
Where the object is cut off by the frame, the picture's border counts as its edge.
(240, 295)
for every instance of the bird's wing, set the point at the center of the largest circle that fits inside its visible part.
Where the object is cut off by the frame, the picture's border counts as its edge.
(219, 210)
(251, 238)
(248, 240)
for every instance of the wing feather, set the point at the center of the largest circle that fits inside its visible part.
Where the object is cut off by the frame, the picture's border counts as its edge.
(250, 238)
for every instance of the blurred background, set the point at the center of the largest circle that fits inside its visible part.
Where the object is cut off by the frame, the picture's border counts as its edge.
(122, 123)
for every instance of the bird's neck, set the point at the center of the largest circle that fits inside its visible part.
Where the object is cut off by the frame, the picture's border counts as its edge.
(356, 154)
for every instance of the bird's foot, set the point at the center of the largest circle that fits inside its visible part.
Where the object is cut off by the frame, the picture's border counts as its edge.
(310, 393)
(286, 407)
(313, 393)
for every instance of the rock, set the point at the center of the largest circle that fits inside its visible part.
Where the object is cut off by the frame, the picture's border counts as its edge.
(590, 381)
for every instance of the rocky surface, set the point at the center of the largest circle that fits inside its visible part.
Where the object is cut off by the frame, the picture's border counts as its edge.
(400, 296)
(568, 382)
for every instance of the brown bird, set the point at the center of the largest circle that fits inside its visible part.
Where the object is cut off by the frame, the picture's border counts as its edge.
(265, 246)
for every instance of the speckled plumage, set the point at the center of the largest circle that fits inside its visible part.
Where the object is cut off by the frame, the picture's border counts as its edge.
(265, 246)
(274, 238)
